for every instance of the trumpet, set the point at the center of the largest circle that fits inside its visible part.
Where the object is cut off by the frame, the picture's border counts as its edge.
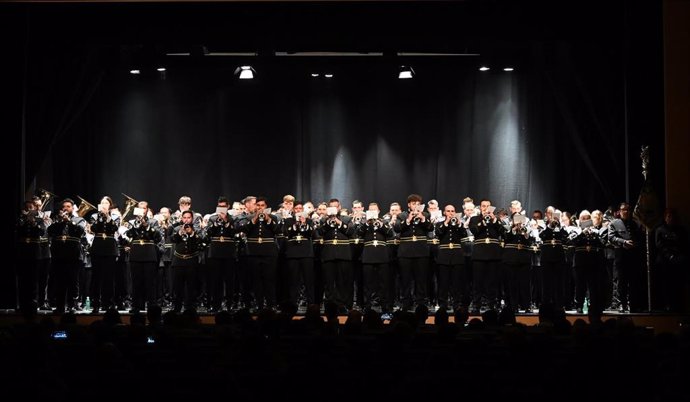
(454, 221)
(85, 207)
(377, 224)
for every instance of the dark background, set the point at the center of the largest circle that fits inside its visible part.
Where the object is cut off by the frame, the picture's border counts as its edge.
(586, 93)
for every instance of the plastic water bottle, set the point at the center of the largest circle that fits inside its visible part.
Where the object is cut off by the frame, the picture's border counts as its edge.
(87, 303)
(585, 307)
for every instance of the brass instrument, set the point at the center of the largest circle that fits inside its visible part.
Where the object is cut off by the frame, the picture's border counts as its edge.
(85, 207)
(130, 203)
(454, 221)
(45, 197)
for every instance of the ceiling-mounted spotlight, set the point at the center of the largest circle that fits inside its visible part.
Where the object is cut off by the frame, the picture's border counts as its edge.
(405, 72)
(508, 69)
(484, 68)
(135, 71)
(314, 75)
(245, 72)
(328, 75)
(160, 69)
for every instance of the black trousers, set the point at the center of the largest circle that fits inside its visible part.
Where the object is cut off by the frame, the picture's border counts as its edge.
(220, 281)
(416, 269)
(66, 283)
(301, 271)
(121, 273)
(452, 285)
(377, 285)
(486, 282)
(27, 284)
(552, 282)
(338, 282)
(185, 285)
(628, 267)
(263, 276)
(102, 281)
(591, 276)
(143, 283)
(516, 279)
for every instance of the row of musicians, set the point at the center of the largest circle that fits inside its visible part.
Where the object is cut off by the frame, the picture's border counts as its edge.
(256, 240)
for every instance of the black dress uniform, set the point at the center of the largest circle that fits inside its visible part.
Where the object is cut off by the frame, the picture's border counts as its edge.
(553, 264)
(317, 243)
(376, 270)
(451, 264)
(262, 255)
(413, 257)
(589, 268)
(628, 263)
(67, 256)
(336, 257)
(486, 255)
(31, 230)
(185, 266)
(221, 260)
(357, 247)
(517, 259)
(103, 258)
(164, 291)
(146, 245)
(299, 253)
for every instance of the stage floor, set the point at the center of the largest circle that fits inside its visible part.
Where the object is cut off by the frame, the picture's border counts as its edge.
(658, 321)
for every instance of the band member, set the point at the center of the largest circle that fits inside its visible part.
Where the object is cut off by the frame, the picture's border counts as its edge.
(627, 237)
(66, 232)
(356, 247)
(43, 263)
(517, 258)
(536, 288)
(300, 254)
(31, 230)
(671, 241)
(552, 259)
(146, 244)
(285, 211)
(185, 265)
(468, 211)
(413, 252)
(164, 291)
(435, 216)
(185, 204)
(245, 277)
(103, 255)
(262, 253)
(486, 256)
(336, 256)
(222, 255)
(317, 241)
(377, 278)
(451, 260)
(569, 277)
(588, 262)
(393, 242)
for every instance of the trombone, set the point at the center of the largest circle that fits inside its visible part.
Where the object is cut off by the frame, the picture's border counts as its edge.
(45, 197)
(84, 207)
(130, 203)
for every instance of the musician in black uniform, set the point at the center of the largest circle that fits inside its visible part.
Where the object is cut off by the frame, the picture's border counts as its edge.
(589, 263)
(103, 255)
(392, 243)
(413, 252)
(244, 275)
(357, 246)
(43, 263)
(671, 241)
(146, 246)
(376, 282)
(31, 229)
(299, 252)
(165, 277)
(627, 237)
(336, 256)
(262, 253)
(222, 255)
(486, 256)
(451, 260)
(66, 234)
(185, 265)
(517, 258)
(552, 260)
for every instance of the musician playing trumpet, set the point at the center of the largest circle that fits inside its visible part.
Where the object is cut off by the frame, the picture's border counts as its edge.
(103, 254)
(451, 260)
(145, 247)
(299, 254)
(486, 255)
(222, 255)
(31, 230)
(185, 265)
(336, 256)
(517, 258)
(375, 233)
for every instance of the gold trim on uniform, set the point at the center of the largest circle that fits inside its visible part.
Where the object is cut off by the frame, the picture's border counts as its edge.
(186, 256)
(587, 249)
(259, 240)
(413, 238)
(486, 240)
(450, 246)
(518, 246)
(222, 239)
(375, 243)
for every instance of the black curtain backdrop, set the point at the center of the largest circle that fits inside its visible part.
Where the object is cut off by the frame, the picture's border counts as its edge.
(550, 133)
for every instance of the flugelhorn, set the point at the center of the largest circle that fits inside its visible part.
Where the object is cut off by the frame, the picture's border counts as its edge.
(84, 207)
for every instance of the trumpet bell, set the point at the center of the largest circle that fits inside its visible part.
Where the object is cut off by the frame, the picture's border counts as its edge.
(45, 197)
(130, 203)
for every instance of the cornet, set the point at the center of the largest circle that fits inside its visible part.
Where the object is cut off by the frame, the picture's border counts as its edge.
(453, 221)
